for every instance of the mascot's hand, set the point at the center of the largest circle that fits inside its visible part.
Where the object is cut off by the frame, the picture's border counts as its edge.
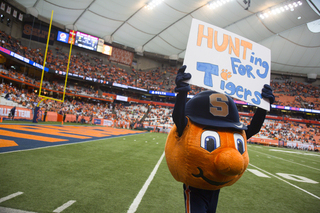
(181, 77)
(267, 93)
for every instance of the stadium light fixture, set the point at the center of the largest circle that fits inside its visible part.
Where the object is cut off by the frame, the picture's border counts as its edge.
(152, 4)
(277, 10)
(217, 3)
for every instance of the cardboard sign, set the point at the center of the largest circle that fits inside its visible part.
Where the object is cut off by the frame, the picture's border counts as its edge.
(225, 62)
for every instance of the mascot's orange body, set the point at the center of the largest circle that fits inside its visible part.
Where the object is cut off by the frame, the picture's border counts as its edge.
(207, 147)
(191, 163)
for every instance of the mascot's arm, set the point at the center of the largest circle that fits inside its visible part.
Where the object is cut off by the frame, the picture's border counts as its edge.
(256, 122)
(182, 89)
(178, 114)
(260, 115)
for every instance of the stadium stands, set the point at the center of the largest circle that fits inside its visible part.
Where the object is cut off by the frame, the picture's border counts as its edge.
(86, 102)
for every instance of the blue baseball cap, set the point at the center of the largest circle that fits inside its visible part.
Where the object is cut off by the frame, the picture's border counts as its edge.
(214, 109)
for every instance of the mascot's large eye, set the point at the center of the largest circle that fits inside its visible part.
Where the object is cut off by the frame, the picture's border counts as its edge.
(210, 140)
(239, 142)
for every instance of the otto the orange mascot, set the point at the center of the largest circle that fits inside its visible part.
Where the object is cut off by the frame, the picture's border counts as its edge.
(207, 147)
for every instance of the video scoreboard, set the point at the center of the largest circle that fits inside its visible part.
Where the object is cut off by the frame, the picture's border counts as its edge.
(84, 41)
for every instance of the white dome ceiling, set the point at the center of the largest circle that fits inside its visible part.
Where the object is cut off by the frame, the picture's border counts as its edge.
(164, 30)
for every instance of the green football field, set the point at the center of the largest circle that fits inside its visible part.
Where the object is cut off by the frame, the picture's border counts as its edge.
(129, 174)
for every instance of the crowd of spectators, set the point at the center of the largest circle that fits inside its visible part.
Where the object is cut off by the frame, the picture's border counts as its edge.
(127, 115)
(15, 95)
(289, 93)
(303, 97)
(296, 94)
(93, 67)
(290, 131)
(49, 84)
(105, 110)
(160, 116)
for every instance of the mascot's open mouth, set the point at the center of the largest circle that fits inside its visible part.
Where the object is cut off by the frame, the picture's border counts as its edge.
(208, 180)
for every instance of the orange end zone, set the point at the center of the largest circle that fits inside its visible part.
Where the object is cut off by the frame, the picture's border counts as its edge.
(7, 143)
(23, 137)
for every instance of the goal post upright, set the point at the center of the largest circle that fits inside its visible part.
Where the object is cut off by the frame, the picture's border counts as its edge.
(45, 54)
(36, 111)
(65, 83)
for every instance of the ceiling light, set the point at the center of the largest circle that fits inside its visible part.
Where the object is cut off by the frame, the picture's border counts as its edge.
(217, 3)
(299, 17)
(279, 9)
(153, 4)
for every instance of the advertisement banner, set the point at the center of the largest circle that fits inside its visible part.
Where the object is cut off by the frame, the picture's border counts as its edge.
(97, 121)
(20, 113)
(300, 145)
(121, 56)
(38, 32)
(107, 122)
(24, 59)
(63, 37)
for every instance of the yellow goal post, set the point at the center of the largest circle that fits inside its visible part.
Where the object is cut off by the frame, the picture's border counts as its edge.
(44, 63)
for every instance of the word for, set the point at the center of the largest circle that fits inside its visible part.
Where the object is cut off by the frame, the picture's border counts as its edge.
(247, 69)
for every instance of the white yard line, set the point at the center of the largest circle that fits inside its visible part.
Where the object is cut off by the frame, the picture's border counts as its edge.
(64, 206)
(307, 153)
(10, 196)
(258, 173)
(143, 190)
(303, 156)
(10, 210)
(285, 181)
(287, 160)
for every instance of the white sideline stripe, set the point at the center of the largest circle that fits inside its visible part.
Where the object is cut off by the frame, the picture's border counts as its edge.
(258, 173)
(10, 196)
(64, 206)
(294, 152)
(143, 190)
(9, 210)
(287, 160)
(286, 182)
